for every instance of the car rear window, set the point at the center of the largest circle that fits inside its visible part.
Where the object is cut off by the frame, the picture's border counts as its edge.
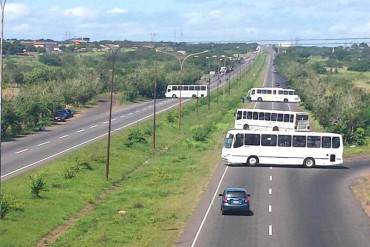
(236, 194)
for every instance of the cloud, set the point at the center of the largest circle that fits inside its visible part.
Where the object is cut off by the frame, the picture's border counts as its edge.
(80, 12)
(116, 11)
(15, 10)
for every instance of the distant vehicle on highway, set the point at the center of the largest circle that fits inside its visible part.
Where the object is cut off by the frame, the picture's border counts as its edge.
(261, 119)
(235, 200)
(273, 94)
(62, 115)
(186, 91)
(223, 70)
(282, 148)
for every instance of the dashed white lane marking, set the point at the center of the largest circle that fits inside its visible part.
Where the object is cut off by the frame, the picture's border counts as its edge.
(270, 208)
(270, 191)
(270, 167)
(42, 144)
(21, 151)
(93, 126)
(130, 113)
(209, 207)
(105, 122)
(63, 136)
(270, 230)
(122, 116)
(114, 119)
(270, 178)
(81, 130)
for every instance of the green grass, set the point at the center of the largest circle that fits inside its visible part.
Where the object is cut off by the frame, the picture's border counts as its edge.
(157, 190)
(357, 150)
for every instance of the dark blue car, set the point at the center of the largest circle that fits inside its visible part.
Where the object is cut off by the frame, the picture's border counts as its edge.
(62, 115)
(235, 200)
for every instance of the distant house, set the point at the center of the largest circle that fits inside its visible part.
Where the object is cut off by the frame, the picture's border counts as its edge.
(49, 46)
(79, 41)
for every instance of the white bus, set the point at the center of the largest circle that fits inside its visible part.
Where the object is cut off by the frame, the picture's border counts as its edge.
(282, 148)
(271, 120)
(273, 94)
(186, 91)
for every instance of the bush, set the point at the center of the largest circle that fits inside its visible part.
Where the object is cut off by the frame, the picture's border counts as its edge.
(69, 173)
(37, 185)
(359, 137)
(135, 136)
(171, 117)
(200, 133)
(4, 206)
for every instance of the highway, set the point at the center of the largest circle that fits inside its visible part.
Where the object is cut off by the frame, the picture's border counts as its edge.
(31, 151)
(290, 206)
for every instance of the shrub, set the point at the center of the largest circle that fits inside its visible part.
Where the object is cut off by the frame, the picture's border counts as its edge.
(37, 185)
(359, 137)
(4, 206)
(135, 136)
(171, 117)
(200, 133)
(69, 173)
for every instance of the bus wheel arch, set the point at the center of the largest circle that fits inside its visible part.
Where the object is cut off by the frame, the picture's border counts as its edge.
(174, 96)
(259, 99)
(309, 162)
(252, 160)
(246, 127)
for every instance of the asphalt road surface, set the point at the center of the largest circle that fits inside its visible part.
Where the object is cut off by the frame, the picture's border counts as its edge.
(28, 152)
(290, 206)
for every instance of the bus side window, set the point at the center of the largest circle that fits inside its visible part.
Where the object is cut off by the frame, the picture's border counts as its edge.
(286, 118)
(280, 117)
(169, 90)
(258, 91)
(203, 88)
(239, 115)
(326, 142)
(285, 92)
(263, 91)
(267, 116)
(285, 141)
(269, 92)
(261, 116)
(273, 116)
(252, 139)
(244, 115)
(253, 91)
(281, 92)
(291, 92)
(185, 88)
(239, 140)
(274, 91)
(197, 88)
(313, 141)
(299, 141)
(174, 88)
(335, 142)
(181, 88)
(191, 87)
(255, 115)
(291, 118)
(249, 115)
(269, 140)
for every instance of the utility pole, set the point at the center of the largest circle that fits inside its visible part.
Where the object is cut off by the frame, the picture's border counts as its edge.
(209, 83)
(155, 105)
(113, 54)
(2, 3)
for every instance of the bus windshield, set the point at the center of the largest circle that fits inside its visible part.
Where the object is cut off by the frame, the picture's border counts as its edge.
(228, 141)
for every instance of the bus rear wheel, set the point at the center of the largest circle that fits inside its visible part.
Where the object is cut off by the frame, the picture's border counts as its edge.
(246, 127)
(309, 162)
(286, 100)
(194, 96)
(259, 99)
(174, 96)
(252, 161)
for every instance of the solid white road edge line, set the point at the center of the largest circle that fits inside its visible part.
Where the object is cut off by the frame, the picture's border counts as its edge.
(209, 208)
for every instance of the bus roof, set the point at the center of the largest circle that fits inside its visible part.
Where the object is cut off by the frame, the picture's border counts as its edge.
(272, 88)
(271, 111)
(271, 132)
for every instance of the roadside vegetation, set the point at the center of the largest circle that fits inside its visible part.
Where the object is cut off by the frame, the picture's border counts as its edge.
(149, 196)
(327, 79)
(37, 86)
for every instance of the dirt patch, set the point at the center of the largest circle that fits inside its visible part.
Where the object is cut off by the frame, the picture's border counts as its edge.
(361, 188)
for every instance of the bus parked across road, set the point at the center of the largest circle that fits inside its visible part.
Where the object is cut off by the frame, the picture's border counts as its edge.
(186, 91)
(271, 120)
(282, 148)
(274, 94)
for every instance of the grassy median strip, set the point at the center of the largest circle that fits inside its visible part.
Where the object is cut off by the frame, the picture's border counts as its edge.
(149, 195)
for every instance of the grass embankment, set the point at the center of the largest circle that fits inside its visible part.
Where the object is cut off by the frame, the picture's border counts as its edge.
(361, 189)
(148, 198)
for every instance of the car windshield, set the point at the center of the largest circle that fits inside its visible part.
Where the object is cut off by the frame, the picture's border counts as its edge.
(236, 194)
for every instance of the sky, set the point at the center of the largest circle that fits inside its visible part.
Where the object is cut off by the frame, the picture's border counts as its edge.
(187, 20)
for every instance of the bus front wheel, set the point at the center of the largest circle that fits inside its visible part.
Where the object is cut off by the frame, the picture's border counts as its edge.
(174, 96)
(259, 99)
(309, 162)
(286, 101)
(252, 161)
